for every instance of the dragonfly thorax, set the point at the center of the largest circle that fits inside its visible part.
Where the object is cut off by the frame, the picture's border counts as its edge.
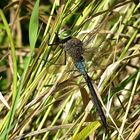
(74, 49)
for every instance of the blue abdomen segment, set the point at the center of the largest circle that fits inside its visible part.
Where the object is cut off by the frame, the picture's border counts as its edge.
(80, 66)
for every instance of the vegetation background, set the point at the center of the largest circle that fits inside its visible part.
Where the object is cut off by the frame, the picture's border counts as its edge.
(41, 98)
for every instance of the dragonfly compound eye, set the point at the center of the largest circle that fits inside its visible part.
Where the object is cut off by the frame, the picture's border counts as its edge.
(64, 34)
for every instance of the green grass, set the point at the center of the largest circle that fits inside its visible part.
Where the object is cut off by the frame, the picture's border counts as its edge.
(49, 100)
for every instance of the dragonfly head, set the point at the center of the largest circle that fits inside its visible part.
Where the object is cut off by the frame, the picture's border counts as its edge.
(65, 35)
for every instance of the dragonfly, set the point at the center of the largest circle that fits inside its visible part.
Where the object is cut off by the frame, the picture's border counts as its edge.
(74, 48)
